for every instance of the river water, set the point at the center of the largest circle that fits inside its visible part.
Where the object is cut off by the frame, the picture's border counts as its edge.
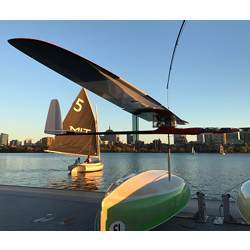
(213, 174)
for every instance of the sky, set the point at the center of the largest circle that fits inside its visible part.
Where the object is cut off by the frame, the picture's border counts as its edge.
(210, 81)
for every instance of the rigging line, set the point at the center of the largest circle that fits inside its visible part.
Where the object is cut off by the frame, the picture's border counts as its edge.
(229, 190)
(173, 54)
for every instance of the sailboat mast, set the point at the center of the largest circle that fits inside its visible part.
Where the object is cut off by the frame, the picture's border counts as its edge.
(97, 136)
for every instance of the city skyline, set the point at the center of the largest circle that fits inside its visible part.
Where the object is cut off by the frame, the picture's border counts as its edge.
(231, 138)
(139, 51)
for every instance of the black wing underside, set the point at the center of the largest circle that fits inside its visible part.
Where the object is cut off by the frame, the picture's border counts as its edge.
(96, 79)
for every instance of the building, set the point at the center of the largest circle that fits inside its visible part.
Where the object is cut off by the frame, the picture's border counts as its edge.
(180, 139)
(110, 138)
(129, 139)
(4, 139)
(201, 138)
(139, 145)
(15, 143)
(27, 142)
(245, 135)
(103, 142)
(232, 138)
(47, 141)
(215, 139)
(157, 144)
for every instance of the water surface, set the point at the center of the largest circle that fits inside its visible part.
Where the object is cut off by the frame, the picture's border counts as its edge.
(211, 173)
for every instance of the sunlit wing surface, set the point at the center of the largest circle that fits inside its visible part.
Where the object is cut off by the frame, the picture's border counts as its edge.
(96, 79)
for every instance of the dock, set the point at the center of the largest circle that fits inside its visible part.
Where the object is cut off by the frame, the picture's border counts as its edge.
(43, 209)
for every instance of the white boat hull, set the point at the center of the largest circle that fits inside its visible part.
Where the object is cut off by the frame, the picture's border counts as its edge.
(243, 201)
(85, 167)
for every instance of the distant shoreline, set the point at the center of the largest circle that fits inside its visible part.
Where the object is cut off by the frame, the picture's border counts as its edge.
(44, 152)
(146, 148)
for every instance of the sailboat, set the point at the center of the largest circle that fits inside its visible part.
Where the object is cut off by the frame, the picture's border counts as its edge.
(80, 118)
(193, 151)
(221, 150)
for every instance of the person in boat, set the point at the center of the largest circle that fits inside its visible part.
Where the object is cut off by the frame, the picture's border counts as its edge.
(78, 160)
(88, 159)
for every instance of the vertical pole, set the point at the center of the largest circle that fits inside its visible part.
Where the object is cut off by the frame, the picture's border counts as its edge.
(201, 214)
(97, 136)
(135, 127)
(226, 208)
(169, 162)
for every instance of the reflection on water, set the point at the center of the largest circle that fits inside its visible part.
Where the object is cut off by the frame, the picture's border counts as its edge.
(211, 173)
(80, 181)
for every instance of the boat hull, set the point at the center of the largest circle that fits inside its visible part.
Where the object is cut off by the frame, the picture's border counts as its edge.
(156, 202)
(243, 201)
(85, 167)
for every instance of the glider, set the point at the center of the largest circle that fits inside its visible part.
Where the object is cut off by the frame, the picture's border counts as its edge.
(108, 85)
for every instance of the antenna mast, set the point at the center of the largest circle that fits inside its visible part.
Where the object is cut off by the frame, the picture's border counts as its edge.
(172, 58)
(169, 73)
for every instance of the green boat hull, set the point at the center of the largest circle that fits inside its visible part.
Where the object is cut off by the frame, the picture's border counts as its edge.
(149, 212)
(143, 201)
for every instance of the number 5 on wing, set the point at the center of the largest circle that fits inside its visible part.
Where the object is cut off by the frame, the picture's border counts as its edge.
(78, 105)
